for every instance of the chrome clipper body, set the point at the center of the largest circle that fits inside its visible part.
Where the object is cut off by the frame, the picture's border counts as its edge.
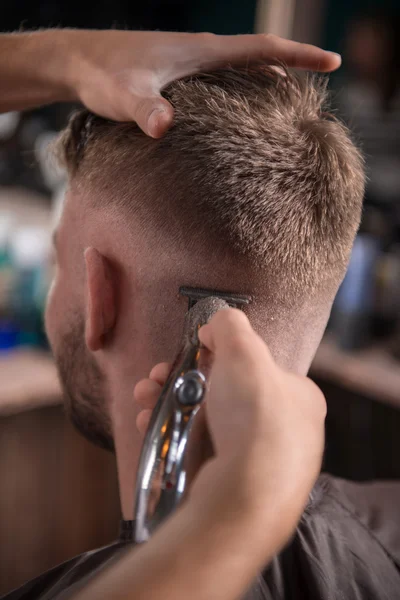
(162, 473)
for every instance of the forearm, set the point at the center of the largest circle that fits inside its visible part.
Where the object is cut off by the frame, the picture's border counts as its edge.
(187, 559)
(206, 550)
(36, 68)
(120, 75)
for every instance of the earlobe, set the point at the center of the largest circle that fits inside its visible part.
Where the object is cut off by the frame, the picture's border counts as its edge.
(100, 299)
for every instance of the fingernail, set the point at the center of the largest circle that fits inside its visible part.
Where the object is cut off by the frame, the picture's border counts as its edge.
(153, 122)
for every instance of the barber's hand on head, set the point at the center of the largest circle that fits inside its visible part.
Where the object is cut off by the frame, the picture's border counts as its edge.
(267, 425)
(120, 74)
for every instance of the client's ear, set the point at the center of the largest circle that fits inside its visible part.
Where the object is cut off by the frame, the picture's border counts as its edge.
(100, 299)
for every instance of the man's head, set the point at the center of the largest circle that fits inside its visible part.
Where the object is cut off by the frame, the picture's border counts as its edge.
(255, 190)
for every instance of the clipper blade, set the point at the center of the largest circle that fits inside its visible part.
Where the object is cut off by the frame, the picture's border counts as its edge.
(199, 315)
(195, 294)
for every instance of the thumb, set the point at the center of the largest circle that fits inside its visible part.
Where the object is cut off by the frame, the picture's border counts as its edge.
(225, 331)
(153, 114)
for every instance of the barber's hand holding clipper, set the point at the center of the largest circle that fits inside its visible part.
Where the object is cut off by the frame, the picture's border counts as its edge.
(267, 428)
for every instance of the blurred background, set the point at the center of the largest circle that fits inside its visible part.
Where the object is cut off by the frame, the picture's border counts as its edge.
(58, 493)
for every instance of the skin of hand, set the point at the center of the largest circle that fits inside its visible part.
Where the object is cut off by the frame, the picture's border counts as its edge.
(266, 425)
(267, 428)
(120, 74)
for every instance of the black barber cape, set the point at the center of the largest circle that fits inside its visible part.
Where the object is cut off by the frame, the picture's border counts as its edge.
(346, 547)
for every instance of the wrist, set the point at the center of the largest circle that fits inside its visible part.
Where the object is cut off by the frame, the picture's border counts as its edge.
(236, 491)
(232, 532)
(63, 70)
(51, 55)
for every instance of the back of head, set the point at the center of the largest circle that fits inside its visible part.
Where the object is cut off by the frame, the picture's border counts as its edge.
(254, 177)
(252, 168)
(254, 190)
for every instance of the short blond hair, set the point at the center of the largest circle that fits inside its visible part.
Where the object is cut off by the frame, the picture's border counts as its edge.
(254, 164)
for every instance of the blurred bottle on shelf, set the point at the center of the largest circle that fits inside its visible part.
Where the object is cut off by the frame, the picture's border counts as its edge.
(353, 308)
(25, 268)
(8, 330)
(9, 159)
(54, 176)
(367, 306)
(29, 256)
(394, 295)
(387, 299)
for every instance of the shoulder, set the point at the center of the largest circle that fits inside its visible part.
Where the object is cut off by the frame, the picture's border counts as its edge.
(373, 507)
(64, 577)
(347, 544)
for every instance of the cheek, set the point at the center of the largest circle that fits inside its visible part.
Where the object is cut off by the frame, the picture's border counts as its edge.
(57, 311)
(63, 306)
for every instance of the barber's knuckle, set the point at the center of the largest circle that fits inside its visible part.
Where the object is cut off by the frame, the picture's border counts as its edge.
(206, 37)
(238, 330)
(237, 317)
(317, 400)
(207, 44)
(232, 319)
(269, 38)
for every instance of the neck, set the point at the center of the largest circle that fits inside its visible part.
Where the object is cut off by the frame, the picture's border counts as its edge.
(127, 443)
(292, 341)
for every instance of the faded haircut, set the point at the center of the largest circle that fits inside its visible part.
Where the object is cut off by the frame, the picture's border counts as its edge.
(255, 166)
